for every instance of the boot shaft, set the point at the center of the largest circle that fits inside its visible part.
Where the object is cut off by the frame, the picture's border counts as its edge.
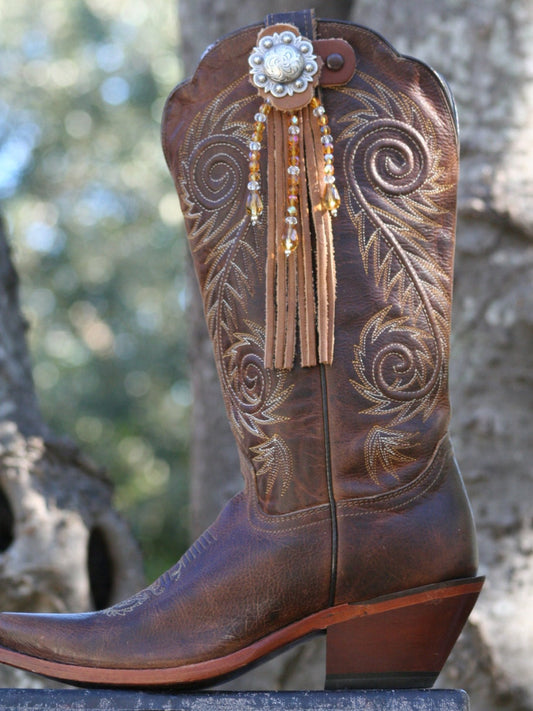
(372, 420)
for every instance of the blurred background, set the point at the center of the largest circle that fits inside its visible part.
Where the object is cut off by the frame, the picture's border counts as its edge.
(96, 234)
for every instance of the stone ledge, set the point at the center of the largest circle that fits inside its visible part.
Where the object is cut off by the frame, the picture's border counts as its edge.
(110, 700)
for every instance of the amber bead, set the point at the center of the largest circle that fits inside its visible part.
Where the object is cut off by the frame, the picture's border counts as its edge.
(254, 206)
(331, 199)
(290, 240)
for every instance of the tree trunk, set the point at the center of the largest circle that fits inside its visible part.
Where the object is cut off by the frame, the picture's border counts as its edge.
(486, 53)
(62, 547)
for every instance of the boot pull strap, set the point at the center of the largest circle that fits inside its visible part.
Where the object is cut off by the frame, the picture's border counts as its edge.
(302, 196)
(304, 20)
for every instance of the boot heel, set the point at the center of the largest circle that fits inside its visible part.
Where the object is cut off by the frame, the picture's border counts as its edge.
(399, 641)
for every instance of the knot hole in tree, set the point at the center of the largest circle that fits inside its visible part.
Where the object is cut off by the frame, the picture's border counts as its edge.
(7, 522)
(101, 569)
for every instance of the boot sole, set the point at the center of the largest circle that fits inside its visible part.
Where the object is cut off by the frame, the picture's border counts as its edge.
(394, 641)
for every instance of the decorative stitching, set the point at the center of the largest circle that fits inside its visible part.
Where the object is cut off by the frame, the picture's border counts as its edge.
(168, 578)
(400, 359)
(212, 176)
(427, 479)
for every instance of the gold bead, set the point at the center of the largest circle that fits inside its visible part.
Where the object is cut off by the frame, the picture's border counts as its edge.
(290, 240)
(331, 200)
(254, 206)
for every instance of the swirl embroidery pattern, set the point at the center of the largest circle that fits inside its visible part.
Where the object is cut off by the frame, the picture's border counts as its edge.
(395, 179)
(165, 581)
(213, 178)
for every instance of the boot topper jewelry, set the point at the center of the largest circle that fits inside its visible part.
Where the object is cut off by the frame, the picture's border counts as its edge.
(302, 196)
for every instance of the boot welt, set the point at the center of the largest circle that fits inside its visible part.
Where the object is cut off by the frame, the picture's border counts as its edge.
(394, 641)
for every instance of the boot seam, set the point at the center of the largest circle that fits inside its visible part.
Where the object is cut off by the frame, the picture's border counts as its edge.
(257, 517)
(330, 489)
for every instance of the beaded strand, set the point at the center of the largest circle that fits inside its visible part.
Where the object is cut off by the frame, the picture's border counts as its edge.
(331, 199)
(254, 204)
(290, 236)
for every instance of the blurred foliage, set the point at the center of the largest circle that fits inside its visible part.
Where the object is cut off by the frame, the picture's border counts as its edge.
(96, 232)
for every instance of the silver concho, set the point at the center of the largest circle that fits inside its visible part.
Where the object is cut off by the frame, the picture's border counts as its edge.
(283, 64)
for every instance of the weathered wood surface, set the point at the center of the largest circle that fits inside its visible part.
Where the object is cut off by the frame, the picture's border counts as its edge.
(392, 700)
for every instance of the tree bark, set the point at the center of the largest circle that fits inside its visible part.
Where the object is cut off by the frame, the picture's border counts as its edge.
(486, 52)
(62, 547)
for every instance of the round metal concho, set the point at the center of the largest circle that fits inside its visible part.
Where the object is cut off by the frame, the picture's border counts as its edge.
(283, 64)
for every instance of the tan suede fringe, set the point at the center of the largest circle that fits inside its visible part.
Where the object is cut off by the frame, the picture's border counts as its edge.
(300, 289)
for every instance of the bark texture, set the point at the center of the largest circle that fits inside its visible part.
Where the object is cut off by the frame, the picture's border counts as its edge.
(62, 547)
(486, 53)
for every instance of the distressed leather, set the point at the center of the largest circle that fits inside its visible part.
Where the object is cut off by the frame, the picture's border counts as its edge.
(351, 489)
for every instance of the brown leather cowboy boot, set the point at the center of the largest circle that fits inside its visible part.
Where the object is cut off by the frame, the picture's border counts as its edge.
(317, 171)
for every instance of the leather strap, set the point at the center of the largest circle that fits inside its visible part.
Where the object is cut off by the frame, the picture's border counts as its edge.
(304, 20)
(339, 61)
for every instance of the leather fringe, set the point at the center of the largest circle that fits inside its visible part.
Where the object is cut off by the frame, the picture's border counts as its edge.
(300, 288)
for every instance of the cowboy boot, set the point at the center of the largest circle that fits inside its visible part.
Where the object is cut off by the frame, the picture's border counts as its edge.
(317, 172)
